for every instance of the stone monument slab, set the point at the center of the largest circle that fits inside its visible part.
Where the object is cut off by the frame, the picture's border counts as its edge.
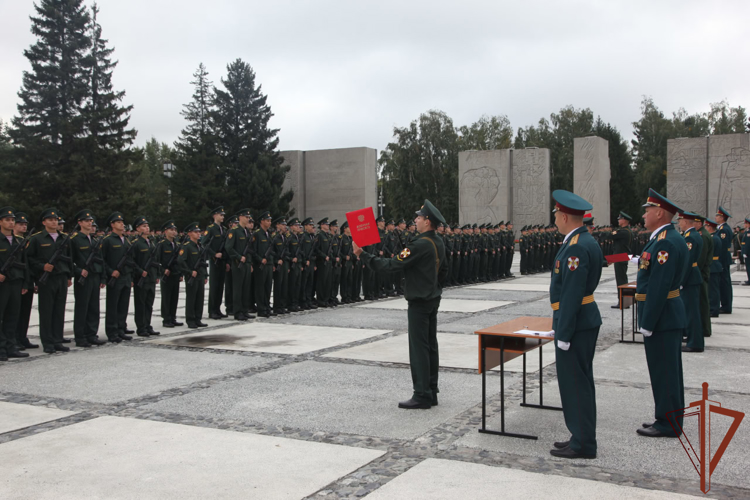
(483, 186)
(591, 174)
(687, 173)
(729, 175)
(531, 187)
(295, 180)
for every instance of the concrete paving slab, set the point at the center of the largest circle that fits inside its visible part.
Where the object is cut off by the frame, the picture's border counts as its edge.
(169, 461)
(117, 373)
(741, 302)
(330, 397)
(741, 291)
(456, 351)
(448, 305)
(15, 416)
(520, 287)
(355, 317)
(436, 479)
(620, 411)
(738, 317)
(501, 295)
(737, 336)
(627, 362)
(271, 337)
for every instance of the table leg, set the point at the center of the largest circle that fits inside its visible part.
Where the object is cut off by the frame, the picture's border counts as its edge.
(484, 384)
(524, 378)
(541, 404)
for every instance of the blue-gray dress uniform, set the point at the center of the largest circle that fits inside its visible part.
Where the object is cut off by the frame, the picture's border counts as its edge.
(691, 287)
(576, 321)
(725, 257)
(661, 319)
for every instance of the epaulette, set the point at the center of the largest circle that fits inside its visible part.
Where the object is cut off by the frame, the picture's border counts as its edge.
(74, 235)
(574, 239)
(64, 234)
(210, 225)
(662, 235)
(110, 234)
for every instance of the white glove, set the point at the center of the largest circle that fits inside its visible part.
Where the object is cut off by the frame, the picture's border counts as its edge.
(646, 333)
(563, 345)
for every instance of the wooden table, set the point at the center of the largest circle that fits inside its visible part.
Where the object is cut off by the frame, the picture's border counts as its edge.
(624, 291)
(497, 345)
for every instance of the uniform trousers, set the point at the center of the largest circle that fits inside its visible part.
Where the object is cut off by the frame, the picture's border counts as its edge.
(52, 297)
(87, 310)
(10, 306)
(664, 359)
(118, 301)
(423, 348)
(170, 294)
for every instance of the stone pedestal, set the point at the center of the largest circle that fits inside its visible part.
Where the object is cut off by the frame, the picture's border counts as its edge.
(729, 175)
(591, 174)
(687, 173)
(331, 182)
(531, 187)
(483, 186)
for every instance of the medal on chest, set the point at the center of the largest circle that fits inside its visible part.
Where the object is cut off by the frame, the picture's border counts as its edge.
(557, 267)
(644, 262)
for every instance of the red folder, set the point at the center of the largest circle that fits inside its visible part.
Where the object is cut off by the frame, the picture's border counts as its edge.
(363, 227)
(618, 257)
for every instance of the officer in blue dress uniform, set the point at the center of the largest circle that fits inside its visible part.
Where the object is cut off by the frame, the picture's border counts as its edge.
(661, 314)
(576, 321)
(691, 286)
(725, 257)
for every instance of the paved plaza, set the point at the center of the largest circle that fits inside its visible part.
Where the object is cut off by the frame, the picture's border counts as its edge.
(304, 406)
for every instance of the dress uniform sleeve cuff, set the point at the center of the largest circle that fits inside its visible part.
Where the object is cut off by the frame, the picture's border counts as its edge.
(563, 345)
(646, 333)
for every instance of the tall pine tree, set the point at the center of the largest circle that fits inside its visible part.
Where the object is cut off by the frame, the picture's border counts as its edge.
(198, 181)
(250, 162)
(50, 124)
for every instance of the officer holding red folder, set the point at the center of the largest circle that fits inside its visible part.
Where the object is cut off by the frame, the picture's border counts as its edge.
(423, 264)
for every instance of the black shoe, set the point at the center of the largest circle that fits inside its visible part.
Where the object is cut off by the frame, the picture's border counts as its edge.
(616, 306)
(192, 325)
(96, 341)
(294, 309)
(561, 444)
(66, 341)
(48, 350)
(646, 425)
(151, 331)
(313, 306)
(115, 340)
(61, 348)
(177, 323)
(568, 453)
(143, 334)
(215, 316)
(28, 345)
(273, 313)
(412, 404)
(223, 315)
(126, 337)
(17, 354)
(724, 311)
(201, 324)
(168, 324)
(83, 344)
(264, 315)
(691, 349)
(654, 433)
(240, 317)
(714, 315)
(252, 310)
(434, 401)
(128, 331)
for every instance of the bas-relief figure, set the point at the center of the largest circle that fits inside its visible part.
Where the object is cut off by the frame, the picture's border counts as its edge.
(483, 186)
(585, 152)
(531, 187)
(729, 175)
(591, 175)
(687, 173)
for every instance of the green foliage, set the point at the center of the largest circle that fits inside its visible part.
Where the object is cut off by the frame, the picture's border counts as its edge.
(487, 133)
(422, 162)
(148, 188)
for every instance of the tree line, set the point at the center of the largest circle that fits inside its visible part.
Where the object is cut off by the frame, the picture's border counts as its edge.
(422, 159)
(70, 144)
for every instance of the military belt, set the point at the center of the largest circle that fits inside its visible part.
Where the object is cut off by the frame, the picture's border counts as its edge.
(588, 299)
(695, 264)
(716, 258)
(641, 297)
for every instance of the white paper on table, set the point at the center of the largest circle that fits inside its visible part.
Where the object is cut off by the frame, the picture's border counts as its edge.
(550, 333)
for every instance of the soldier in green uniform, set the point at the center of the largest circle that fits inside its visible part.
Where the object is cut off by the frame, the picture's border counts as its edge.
(347, 265)
(424, 266)
(704, 265)
(53, 292)
(308, 240)
(228, 287)
(511, 248)
(323, 264)
(20, 230)
(215, 238)
(14, 279)
(88, 271)
(661, 313)
(576, 321)
(296, 264)
(191, 263)
(240, 250)
(456, 265)
(622, 243)
(263, 270)
(725, 257)
(714, 295)
(745, 249)
(145, 278)
(691, 285)
(167, 253)
(281, 260)
(335, 263)
(118, 266)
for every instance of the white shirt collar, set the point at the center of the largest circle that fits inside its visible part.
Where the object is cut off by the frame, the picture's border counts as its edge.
(570, 233)
(653, 235)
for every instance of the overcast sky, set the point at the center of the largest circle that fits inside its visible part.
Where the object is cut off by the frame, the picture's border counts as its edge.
(343, 73)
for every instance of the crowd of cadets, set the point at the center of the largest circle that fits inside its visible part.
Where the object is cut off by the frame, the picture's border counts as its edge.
(303, 266)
